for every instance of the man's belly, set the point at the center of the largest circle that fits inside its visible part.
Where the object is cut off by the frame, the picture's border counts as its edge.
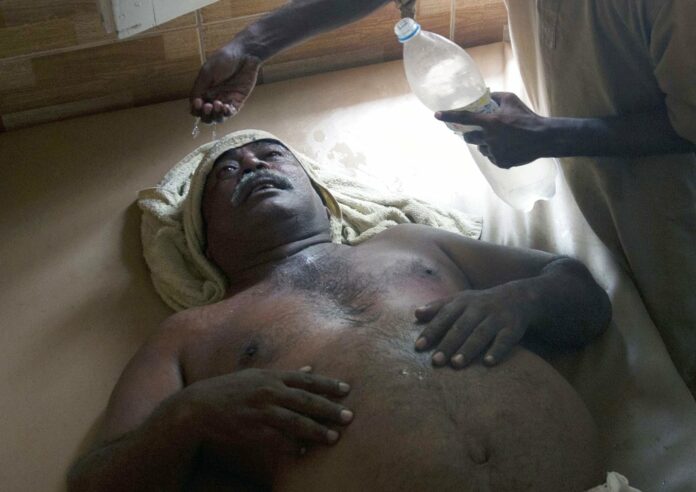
(515, 427)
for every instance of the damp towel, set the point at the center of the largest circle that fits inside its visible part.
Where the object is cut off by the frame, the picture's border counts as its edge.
(173, 233)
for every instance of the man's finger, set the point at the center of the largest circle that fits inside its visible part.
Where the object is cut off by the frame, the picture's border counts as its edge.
(475, 138)
(464, 118)
(499, 96)
(200, 85)
(428, 312)
(301, 427)
(315, 406)
(476, 343)
(316, 384)
(503, 344)
(457, 336)
(440, 324)
(485, 150)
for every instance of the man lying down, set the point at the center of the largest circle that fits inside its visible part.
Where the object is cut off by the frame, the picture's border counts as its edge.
(394, 365)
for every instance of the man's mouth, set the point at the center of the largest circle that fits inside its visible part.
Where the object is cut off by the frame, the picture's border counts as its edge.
(264, 180)
(262, 186)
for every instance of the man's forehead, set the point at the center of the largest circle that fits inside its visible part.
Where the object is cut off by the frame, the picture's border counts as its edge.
(253, 146)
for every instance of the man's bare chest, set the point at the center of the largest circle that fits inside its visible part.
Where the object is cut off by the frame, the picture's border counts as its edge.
(320, 310)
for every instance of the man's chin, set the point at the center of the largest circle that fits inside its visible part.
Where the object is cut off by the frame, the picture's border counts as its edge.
(266, 205)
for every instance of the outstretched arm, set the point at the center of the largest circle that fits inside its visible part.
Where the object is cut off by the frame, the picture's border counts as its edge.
(514, 293)
(226, 80)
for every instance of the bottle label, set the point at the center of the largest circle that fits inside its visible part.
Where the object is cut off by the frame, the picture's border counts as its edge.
(483, 105)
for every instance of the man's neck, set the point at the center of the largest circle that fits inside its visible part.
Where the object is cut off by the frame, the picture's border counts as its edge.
(251, 271)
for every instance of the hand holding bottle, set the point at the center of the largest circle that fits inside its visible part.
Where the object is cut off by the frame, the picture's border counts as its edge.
(446, 80)
(512, 136)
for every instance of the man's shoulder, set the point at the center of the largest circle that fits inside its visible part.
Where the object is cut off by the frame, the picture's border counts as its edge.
(175, 329)
(416, 234)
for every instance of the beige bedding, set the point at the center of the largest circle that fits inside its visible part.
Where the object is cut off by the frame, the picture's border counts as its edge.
(77, 301)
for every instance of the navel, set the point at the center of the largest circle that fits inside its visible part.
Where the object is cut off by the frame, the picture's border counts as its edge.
(249, 352)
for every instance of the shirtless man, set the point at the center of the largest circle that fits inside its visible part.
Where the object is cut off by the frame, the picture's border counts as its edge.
(443, 399)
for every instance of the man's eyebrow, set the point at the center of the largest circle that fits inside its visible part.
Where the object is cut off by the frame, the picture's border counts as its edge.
(227, 155)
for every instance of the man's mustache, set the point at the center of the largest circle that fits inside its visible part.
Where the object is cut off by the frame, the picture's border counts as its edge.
(250, 180)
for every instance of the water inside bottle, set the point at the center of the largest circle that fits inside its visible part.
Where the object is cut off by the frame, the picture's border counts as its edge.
(450, 85)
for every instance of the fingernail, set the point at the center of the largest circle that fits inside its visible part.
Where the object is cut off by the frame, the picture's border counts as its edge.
(421, 343)
(306, 369)
(331, 436)
(343, 387)
(439, 359)
(458, 360)
(489, 359)
(346, 415)
(438, 115)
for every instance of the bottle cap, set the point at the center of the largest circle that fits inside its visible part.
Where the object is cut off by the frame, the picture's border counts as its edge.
(406, 28)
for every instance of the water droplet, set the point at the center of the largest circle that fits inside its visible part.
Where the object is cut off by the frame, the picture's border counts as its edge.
(137, 4)
(214, 131)
(421, 375)
(196, 131)
(404, 372)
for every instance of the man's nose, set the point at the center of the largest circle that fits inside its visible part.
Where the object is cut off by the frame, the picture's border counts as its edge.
(251, 163)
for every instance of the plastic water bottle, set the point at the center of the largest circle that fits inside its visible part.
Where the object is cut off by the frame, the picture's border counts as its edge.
(444, 77)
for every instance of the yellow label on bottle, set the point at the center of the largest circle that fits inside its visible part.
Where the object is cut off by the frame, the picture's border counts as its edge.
(483, 105)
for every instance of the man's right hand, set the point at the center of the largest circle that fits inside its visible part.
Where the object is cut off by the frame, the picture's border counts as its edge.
(256, 415)
(224, 83)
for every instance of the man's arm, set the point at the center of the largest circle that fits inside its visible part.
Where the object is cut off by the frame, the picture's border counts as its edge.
(516, 135)
(228, 77)
(154, 426)
(514, 292)
(632, 135)
(145, 442)
(300, 20)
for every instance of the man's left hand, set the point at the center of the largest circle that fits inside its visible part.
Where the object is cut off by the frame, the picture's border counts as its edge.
(463, 326)
(512, 136)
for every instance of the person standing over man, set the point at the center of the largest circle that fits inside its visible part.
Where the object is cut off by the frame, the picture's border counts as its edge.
(616, 83)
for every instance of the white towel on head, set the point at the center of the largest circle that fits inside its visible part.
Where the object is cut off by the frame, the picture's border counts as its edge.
(173, 232)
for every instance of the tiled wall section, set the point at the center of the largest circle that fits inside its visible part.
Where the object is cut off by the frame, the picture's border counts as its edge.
(57, 62)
